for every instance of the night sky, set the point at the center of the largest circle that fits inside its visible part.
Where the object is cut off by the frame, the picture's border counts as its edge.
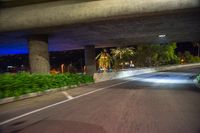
(73, 57)
(187, 46)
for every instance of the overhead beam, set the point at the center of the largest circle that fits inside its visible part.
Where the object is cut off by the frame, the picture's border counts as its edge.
(62, 13)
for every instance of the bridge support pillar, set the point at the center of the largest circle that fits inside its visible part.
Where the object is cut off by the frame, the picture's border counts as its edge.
(38, 54)
(90, 62)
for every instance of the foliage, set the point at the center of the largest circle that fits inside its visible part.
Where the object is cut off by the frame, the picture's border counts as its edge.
(147, 55)
(23, 83)
(189, 58)
(104, 60)
(120, 55)
(198, 78)
(156, 55)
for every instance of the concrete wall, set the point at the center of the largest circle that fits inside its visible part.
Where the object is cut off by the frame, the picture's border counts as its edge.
(99, 77)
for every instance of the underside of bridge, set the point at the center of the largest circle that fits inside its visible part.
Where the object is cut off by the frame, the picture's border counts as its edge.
(123, 29)
(182, 26)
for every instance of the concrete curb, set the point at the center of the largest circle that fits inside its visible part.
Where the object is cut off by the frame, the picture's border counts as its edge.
(35, 94)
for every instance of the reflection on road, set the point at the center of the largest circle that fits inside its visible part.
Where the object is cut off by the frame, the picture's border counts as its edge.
(165, 77)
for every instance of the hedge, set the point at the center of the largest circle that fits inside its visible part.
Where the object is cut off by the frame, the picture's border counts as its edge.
(23, 83)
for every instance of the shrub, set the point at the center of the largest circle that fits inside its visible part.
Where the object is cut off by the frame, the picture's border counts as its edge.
(198, 78)
(23, 83)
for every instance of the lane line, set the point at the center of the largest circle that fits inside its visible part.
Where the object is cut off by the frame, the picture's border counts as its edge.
(67, 95)
(58, 103)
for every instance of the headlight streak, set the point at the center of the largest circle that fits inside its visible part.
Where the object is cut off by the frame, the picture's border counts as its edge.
(164, 78)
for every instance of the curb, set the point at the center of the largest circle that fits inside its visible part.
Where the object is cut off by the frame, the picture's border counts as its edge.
(36, 94)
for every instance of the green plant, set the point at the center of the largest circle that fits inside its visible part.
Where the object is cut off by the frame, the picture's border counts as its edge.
(156, 55)
(121, 55)
(23, 83)
(198, 78)
(189, 58)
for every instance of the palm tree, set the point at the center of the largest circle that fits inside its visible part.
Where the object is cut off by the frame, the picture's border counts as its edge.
(120, 55)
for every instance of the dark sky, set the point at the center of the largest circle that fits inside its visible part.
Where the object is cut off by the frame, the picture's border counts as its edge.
(187, 46)
(74, 57)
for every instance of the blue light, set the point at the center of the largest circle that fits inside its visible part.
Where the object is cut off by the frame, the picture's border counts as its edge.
(13, 48)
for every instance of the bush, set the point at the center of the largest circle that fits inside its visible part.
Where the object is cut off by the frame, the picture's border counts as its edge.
(189, 58)
(198, 78)
(23, 83)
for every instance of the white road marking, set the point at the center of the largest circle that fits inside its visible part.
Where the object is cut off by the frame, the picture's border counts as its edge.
(58, 103)
(67, 95)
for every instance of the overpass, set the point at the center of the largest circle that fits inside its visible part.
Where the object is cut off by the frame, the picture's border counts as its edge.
(75, 24)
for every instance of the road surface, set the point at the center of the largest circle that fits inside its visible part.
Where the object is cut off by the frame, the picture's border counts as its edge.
(162, 102)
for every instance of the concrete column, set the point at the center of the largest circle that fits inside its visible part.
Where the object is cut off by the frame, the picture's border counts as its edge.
(38, 54)
(90, 62)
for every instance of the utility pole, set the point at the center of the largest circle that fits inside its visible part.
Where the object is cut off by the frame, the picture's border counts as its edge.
(198, 46)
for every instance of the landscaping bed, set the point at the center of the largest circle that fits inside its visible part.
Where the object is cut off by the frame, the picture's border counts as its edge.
(15, 85)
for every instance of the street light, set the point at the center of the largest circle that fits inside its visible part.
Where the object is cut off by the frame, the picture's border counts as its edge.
(162, 35)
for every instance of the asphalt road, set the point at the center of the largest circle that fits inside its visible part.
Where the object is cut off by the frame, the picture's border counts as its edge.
(163, 102)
